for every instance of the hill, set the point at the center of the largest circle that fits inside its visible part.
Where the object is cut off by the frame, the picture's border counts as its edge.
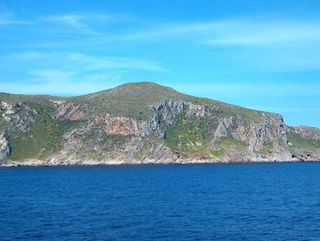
(144, 123)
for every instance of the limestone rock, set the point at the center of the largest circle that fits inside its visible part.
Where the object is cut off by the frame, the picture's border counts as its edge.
(4, 147)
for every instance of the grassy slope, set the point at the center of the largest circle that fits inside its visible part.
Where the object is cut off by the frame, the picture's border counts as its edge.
(44, 137)
(134, 100)
(302, 145)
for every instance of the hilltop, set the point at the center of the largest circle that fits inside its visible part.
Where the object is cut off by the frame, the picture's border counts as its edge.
(144, 122)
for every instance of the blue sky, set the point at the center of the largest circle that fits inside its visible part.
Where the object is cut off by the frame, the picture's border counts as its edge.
(259, 54)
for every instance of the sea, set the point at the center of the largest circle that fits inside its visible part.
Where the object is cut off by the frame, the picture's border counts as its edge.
(270, 201)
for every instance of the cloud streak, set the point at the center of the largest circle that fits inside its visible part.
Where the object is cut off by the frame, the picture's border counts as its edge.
(68, 19)
(72, 72)
(270, 45)
(232, 32)
(225, 32)
(85, 23)
(87, 62)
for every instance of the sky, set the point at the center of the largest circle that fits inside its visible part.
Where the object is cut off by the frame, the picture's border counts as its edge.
(258, 54)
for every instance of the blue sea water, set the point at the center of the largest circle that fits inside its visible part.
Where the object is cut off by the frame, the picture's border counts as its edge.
(161, 202)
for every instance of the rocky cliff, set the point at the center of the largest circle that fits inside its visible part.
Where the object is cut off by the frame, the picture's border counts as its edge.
(144, 123)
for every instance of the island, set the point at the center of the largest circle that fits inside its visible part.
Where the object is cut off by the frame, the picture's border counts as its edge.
(144, 122)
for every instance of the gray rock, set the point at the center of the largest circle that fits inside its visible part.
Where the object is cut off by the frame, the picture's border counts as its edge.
(4, 147)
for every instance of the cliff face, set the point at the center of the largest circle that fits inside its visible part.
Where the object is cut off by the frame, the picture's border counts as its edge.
(144, 123)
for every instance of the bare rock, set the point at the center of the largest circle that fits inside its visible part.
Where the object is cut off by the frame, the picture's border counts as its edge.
(4, 147)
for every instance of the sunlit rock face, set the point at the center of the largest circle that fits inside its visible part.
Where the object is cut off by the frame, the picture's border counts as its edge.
(4, 147)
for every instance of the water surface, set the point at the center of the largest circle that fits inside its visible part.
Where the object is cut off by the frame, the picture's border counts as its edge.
(161, 202)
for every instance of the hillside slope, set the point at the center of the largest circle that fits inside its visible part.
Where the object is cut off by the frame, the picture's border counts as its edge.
(144, 123)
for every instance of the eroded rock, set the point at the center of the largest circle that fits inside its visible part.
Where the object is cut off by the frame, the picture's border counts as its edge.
(4, 147)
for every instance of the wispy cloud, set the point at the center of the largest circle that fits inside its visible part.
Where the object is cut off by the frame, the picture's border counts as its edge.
(86, 62)
(252, 33)
(111, 62)
(272, 45)
(47, 75)
(69, 19)
(70, 73)
(225, 32)
(83, 85)
(232, 32)
(83, 23)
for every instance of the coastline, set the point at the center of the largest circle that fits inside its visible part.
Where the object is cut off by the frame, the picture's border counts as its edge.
(41, 163)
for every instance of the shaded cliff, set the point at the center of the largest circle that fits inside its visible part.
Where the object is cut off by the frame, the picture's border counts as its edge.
(144, 123)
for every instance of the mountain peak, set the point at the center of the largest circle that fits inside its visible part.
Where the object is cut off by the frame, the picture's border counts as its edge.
(144, 86)
(141, 84)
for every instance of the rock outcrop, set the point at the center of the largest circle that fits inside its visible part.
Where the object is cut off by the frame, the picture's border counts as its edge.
(4, 147)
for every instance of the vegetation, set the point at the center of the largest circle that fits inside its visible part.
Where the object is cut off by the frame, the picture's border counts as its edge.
(43, 138)
(217, 153)
(300, 144)
(135, 100)
(229, 144)
(268, 147)
(149, 144)
(187, 135)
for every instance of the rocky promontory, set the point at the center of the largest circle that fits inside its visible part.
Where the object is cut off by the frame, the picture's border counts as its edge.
(144, 123)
